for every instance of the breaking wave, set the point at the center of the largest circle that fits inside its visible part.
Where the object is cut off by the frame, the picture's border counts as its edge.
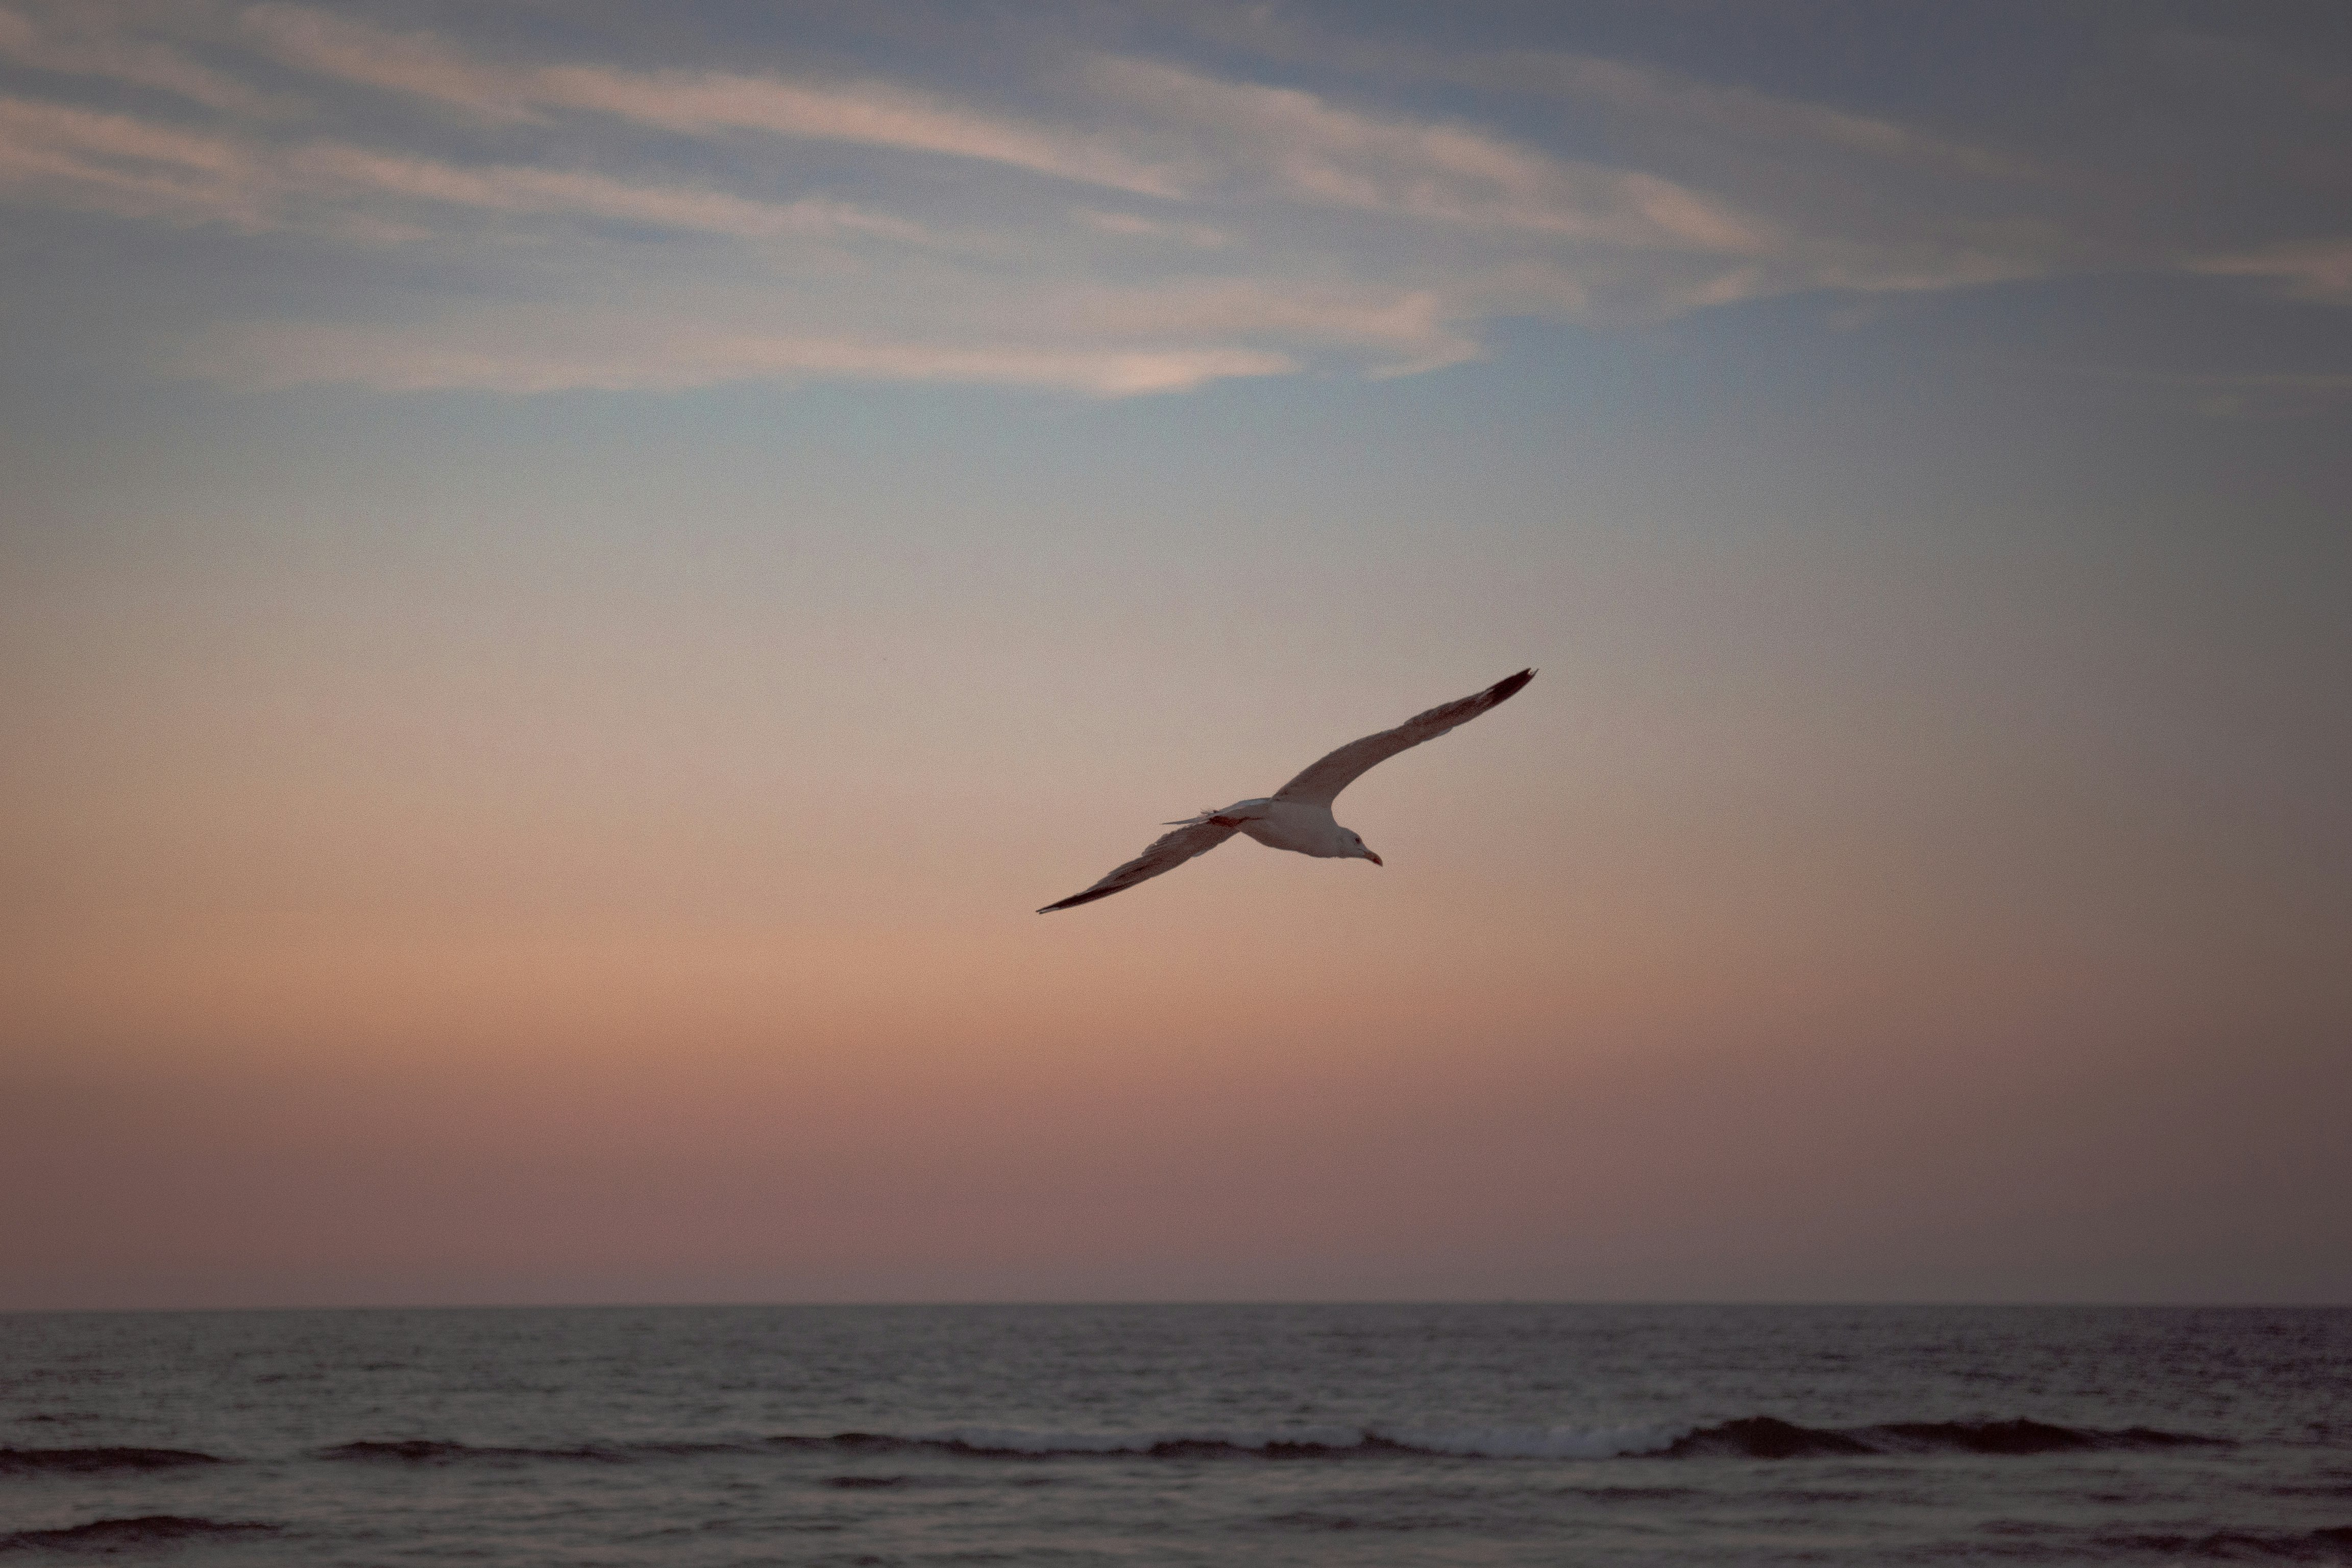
(95, 1461)
(110, 1534)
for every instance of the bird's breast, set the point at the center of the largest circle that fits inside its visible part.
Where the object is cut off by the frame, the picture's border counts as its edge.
(1303, 829)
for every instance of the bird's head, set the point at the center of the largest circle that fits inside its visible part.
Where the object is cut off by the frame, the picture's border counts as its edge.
(1356, 850)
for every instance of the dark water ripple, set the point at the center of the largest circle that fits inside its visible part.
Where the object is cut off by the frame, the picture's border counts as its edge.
(2324, 1545)
(110, 1536)
(96, 1462)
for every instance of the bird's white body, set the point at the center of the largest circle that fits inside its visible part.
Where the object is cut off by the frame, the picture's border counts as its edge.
(1297, 826)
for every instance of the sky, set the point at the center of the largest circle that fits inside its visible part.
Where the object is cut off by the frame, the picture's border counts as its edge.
(570, 575)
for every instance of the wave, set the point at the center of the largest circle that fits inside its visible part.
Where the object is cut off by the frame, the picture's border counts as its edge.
(437, 1451)
(425, 1451)
(2329, 1545)
(1754, 1437)
(2023, 1436)
(1316, 1519)
(109, 1534)
(1765, 1437)
(983, 1443)
(94, 1461)
(1318, 1442)
(1762, 1437)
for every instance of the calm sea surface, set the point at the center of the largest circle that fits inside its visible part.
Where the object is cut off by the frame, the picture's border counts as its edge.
(1391, 1434)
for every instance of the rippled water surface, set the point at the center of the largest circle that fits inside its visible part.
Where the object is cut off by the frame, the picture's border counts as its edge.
(1392, 1435)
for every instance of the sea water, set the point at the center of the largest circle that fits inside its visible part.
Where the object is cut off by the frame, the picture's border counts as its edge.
(1208, 1435)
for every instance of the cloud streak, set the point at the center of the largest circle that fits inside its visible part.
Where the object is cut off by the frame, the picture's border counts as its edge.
(1302, 147)
(561, 192)
(417, 63)
(1739, 113)
(137, 168)
(71, 43)
(130, 167)
(2319, 270)
(698, 103)
(522, 354)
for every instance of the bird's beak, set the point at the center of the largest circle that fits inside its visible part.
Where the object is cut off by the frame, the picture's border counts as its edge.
(1374, 858)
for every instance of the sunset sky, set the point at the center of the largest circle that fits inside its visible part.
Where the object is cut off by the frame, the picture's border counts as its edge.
(572, 573)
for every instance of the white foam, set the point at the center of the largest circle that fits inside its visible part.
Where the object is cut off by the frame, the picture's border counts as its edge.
(1010, 1441)
(1536, 1442)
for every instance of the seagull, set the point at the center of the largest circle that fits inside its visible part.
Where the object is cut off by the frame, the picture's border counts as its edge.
(1298, 816)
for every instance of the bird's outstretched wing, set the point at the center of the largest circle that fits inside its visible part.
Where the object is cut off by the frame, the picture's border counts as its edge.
(1167, 851)
(1321, 784)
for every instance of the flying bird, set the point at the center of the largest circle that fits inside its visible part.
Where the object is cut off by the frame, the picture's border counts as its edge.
(1298, 816)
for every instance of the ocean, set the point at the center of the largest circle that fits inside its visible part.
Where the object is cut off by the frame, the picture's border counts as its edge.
(1401, 1435)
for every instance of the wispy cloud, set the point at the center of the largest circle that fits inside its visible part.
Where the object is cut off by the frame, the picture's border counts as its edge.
(134, 168)
(870, 113)
(876, 114)
(417, 63)
(1664, 98)
(1739, 113)
(117, 163)
(518, 354)
(551, 191)
(2267, 397)
(2216, 393)
(1305, 148)
(2316, 270)
(1408, 331)
(80, 42)
(1134, 226)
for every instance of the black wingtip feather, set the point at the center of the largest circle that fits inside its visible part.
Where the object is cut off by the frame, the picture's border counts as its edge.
(1509, 686)
(1088, 897)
